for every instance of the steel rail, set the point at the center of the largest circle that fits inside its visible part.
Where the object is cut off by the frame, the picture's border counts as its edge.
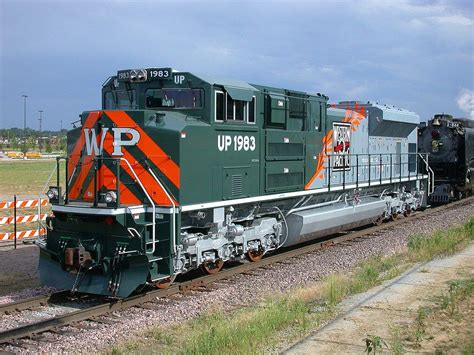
(186, 286)
(81, 315)
(32, 302)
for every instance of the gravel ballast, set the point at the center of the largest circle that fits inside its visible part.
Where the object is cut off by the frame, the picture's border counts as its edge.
(236, 292)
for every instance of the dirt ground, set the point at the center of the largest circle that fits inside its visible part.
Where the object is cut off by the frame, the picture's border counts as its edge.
(18, 268)
(448, 332)
(405, 314)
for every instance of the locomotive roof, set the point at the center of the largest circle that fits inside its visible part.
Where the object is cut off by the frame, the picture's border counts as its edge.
(386, 108)
(237, 88)
(226, 82)
(390, 113)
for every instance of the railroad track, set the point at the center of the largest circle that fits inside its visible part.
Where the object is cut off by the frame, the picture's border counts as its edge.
(91, 313)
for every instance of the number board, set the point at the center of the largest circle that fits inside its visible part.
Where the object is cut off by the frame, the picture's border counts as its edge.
(159, 74)
(123, 75)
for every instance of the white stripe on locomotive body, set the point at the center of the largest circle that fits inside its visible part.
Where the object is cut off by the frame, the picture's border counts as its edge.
(187, 208)
(293, 194)
(137, 209)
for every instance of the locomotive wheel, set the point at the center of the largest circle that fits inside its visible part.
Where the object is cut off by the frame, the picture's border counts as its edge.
(165, 283)
(394, 216)
(213, 267)
(378, 221)
(407, 212)
(255, 255)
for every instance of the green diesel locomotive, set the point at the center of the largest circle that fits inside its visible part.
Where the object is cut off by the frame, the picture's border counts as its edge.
(180, 171)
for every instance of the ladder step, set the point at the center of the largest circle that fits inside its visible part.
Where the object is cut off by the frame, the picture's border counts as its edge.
(158, 241)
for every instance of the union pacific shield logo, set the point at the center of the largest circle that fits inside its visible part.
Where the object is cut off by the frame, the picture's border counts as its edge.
(341, 142)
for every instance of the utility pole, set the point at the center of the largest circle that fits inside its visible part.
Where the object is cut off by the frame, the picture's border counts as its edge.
(24, 123)
(40, 119)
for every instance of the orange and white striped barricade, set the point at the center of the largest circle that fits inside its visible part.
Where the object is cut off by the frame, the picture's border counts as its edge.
(15, 220)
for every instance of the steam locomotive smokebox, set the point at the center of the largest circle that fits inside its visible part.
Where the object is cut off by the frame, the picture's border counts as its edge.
(315, 223)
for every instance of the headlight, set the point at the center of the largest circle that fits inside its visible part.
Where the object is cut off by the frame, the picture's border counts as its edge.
(110, 197)
(141, 76)
(138, 75)
(52, 193)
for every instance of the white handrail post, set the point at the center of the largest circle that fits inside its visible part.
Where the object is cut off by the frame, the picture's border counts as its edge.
(430, 172)
(173, 221)
(149, 199)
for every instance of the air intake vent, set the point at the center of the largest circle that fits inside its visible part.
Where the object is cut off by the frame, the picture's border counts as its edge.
(237, 184)
(289, 181)
(277, 150)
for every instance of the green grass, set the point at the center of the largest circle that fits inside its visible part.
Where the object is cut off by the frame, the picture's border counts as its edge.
(25, 177)
(397, 339)
(289, 316)
(458, 291)
(440, 243)
(468, 349)
(248, 328)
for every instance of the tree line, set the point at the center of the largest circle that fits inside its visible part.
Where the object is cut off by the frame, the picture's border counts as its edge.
(32, 140)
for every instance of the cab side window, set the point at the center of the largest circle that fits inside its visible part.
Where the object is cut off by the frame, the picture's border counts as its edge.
(252, 110)
(228, 109)
(220, 113)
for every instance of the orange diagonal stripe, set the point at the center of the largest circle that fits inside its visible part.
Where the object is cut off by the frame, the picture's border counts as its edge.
(126, 196)
(76, 152)
(149, 183)
(149, 147)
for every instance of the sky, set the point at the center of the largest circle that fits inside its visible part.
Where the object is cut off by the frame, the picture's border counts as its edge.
(414, 54)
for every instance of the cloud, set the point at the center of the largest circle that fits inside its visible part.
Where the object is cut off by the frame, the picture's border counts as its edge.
(465, 101)
(403, 52)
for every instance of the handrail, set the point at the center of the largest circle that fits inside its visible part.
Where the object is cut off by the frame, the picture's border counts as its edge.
(147, 196)
(149, 199)
(376, 167)
(173, 224)
(428, 168)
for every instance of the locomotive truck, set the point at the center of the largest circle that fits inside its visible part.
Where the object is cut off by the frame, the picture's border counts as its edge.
(180, 171)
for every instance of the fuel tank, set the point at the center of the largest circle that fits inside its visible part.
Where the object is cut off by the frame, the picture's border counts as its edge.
(317, 222)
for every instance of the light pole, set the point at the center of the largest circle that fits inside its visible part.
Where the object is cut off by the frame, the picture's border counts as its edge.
(60, 133)
(24, 122)
(40, 119)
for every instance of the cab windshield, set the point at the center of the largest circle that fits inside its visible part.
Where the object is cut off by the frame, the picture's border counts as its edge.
(174, 98)
(121, 100)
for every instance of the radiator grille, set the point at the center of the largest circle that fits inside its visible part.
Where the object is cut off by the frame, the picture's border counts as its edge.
(285, 180)
(285, 149)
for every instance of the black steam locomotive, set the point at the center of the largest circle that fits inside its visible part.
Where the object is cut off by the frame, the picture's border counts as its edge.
(450, 143)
